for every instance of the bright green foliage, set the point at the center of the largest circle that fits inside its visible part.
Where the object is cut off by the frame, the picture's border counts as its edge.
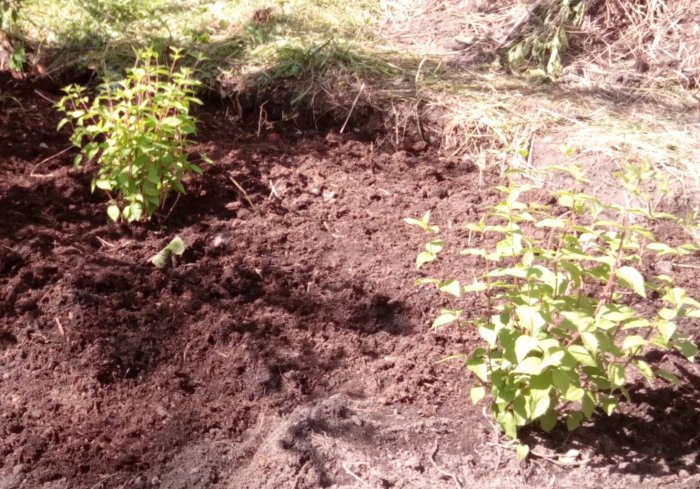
(138, 130)
(569, 310)
(175, 247)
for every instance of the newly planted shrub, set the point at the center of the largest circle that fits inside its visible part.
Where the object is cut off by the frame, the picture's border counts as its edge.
(138, 130)
(568, 309)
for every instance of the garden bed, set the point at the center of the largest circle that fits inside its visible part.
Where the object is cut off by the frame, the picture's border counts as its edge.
(287, 348)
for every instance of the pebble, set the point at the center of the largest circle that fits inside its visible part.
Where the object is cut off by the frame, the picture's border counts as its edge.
(413, 463)
(665, 267)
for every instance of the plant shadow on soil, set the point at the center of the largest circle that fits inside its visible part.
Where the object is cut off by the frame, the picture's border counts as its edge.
(654, 434)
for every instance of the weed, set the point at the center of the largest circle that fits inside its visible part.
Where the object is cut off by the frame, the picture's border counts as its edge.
(138, 130)
(567, 303)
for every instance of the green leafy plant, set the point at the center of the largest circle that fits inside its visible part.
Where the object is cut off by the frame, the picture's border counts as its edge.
(543, 38)
(138, 130)
(569, 311)
(176, 247)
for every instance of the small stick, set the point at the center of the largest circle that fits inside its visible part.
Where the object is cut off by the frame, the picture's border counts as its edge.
(106, 243)
(52, 102)
(103, 480)
(245, 194)
(357, 97)
(443, 472)
(60, 327)
(262, 118)
(357, 477)
(46, 160)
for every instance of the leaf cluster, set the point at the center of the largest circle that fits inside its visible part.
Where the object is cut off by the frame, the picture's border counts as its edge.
(138, 129)
(568, 305)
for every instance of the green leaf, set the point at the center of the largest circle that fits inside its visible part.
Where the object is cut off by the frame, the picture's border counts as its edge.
(479, 368)
(451, 287)
(521, 452)
(561, 381)
(507, 422)
(424, 257)
(477, 394)
(548, 420)
(588, 404)
(616, 375)
(524, 345)
(667, 376)
(582, 355)
(551, 223)
(540, 402)
(477, 286)
(608, 403)
(590, 341)
(573, 420)
(666, 328)
(645, 369)
(633, 342)
(529, 366)
(113, 212)
(633, 279)
(574, 393)
(489, 334)
(581, 320)
(687, 348)
(446, 317)
(176, 247)
(172, 121)
(530, 318)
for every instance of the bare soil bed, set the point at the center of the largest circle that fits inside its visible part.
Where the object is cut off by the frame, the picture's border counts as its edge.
(287, 349)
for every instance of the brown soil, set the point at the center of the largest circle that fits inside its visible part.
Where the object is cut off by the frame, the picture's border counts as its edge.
(287, 349)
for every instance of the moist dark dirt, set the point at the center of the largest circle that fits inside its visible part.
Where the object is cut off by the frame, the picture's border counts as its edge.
(287, 348)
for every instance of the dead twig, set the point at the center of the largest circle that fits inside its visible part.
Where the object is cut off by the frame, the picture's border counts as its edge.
(354, 103)
(434, 451)
(46, 160)
(60, 327)
(354, 475)
(242, 191)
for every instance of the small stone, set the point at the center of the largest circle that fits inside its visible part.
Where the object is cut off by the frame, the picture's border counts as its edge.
(233, 205)
(43, 146)
(665, 267)
(624, 466)
(329, 195)
(414, 463)
(315, 191)
(243, 213)
(419, 146)
(155, 481)
(34, 413)
(683, 474)
(161, 411)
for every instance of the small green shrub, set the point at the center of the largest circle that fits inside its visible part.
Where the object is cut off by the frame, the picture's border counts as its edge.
(569, 311)
(138, 130)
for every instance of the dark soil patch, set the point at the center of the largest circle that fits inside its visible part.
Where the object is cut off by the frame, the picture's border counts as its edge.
(287, 349)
